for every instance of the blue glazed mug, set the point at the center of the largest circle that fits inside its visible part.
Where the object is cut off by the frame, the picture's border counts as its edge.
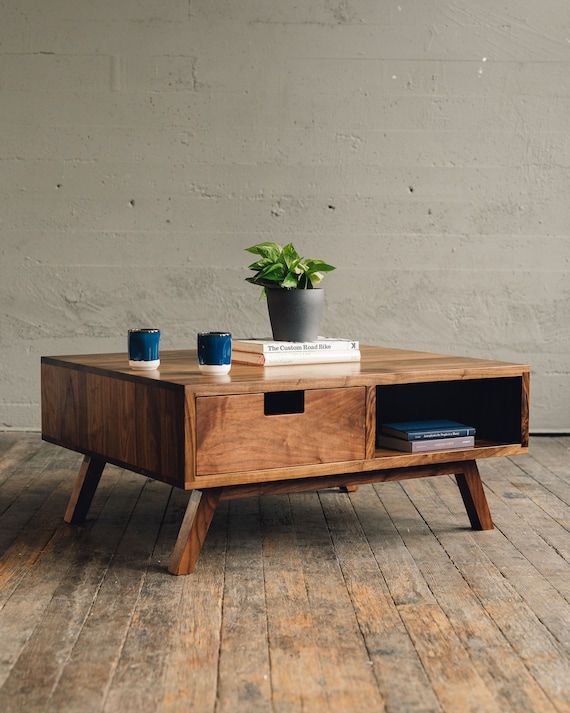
(215, 352)
(143, 348)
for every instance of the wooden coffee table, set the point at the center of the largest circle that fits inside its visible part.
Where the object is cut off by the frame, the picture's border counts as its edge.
(276, 430)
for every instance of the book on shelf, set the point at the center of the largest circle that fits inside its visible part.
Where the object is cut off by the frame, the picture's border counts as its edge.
(427, 430)
(292, 358)
(436, 444)
(322, 345)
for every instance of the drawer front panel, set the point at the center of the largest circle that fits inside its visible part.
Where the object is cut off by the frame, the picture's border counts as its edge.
(233, 433)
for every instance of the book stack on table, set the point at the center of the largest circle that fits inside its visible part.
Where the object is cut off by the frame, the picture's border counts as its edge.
(266, 352)
(425, 436)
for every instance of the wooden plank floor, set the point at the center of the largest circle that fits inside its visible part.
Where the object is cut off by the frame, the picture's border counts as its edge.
(382, 599)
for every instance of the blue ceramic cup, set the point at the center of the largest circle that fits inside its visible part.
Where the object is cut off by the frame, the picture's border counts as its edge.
(215, 352)
(143, 348)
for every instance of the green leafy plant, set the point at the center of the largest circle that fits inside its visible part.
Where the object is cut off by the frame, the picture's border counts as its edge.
(284, 268)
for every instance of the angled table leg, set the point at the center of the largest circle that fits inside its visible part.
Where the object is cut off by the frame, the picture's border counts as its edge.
(471, 489)
(348, 488)
(84, 489)
(193, 531)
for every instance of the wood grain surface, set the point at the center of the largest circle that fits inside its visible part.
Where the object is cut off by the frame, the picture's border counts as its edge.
(139, 425)
(349, 481)
(379, 365)
(299, 602)
(383, 460)
(193, 531)
(202, 504)
(233, 434)
(196, 431)
(471, 489)
(370, 447)
(84, 489)
(525, 408)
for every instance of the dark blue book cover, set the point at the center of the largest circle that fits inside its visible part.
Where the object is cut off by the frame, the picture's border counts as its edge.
(424, 430)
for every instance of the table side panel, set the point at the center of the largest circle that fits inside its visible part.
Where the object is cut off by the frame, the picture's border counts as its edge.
(139, 425)
(110, 408)
(370, 421)
(160, 431)
(525, 408)
(189, 436)
(64, 416)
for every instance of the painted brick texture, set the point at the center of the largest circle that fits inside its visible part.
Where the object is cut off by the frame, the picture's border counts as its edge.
(422, 146)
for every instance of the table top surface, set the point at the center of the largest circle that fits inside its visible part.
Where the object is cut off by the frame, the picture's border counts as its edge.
(379, 365)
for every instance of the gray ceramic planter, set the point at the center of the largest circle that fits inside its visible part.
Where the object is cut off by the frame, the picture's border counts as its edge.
(295, 315)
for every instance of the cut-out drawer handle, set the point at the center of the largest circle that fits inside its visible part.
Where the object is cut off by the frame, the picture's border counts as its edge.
(281, 402)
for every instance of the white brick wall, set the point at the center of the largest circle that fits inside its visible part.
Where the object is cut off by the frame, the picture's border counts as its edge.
(422, 146)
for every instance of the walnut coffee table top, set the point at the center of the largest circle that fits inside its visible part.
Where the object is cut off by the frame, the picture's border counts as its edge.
(379, 365)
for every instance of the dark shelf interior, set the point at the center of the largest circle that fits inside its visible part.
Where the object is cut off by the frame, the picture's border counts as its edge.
(492, 406)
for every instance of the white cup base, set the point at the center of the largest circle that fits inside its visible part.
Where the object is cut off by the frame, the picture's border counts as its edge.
(144, 365)
(215, 368)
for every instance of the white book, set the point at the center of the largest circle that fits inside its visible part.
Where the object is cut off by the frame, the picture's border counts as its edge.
(437, 444)
(321, 345)
(291, 358)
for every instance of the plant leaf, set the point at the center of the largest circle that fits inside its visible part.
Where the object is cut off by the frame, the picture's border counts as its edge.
(260, 264)
(290, 255)
(283, 267)
(290, 280)
(274, 273)
(267, 249)
(320, 266)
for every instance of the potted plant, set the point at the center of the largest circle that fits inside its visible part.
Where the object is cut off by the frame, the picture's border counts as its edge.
(291, 283)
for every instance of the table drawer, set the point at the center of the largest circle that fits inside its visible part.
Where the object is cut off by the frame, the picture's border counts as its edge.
(247, 432)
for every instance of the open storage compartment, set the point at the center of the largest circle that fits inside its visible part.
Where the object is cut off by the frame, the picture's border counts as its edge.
(494, 406)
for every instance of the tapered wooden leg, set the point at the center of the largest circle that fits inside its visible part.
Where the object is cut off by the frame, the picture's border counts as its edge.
(193, 531)
(471, 489)
(348, 488)
(84, 489)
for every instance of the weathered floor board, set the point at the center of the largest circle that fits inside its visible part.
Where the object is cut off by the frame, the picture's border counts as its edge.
(244, 674)
(381, 600)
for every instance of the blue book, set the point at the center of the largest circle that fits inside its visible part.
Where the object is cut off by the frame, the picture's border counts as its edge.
(425, 430)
